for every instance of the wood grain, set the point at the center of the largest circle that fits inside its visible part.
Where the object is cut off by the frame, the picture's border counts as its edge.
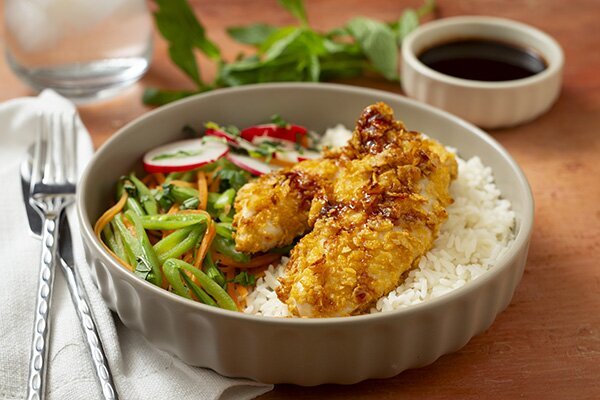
(546, 345)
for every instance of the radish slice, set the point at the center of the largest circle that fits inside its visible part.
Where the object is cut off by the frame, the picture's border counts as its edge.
(288, 150)
(280, 132)
(227, 136)
(183, 155)
(252, 165)
(281, 143)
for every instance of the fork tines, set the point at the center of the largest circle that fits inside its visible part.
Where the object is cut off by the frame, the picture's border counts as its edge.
(55, 157)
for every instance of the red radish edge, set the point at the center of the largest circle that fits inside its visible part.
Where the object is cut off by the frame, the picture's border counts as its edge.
(252, 165)
(217, 133)
(215, 151)
(288, 133)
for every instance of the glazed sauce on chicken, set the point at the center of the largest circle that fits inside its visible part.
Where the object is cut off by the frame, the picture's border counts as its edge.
(483, 60)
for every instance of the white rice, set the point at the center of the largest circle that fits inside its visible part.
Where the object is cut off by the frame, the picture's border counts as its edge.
(478, 231)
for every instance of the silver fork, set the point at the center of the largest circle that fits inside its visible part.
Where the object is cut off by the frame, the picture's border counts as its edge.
(52, 188)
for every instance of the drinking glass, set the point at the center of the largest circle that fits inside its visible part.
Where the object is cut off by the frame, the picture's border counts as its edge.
(83, 49)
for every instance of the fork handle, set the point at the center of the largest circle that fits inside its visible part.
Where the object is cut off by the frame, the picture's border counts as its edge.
(86, 318)
(36, 383)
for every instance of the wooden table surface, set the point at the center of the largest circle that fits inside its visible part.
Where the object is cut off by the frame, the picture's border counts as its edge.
(546, 344)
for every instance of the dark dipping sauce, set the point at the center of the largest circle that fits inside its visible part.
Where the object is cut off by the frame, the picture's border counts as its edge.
(483, 60)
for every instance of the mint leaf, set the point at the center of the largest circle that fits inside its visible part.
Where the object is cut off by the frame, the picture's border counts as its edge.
(296, 8)
(178, 25)
(157, 97)
(183, 56)
(314, 68)
(378, 42)
(426, 8)
(287, 40)
(252, 34)
(409, 21)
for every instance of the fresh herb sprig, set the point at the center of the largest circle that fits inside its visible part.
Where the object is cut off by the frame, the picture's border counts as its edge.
(291, 53)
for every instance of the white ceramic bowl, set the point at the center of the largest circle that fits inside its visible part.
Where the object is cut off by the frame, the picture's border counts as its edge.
(300, 351)
(486, 104)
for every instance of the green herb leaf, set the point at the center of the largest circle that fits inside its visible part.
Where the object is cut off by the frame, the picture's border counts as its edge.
(426, 8)
(232, 177)
(277, 120)
(190, 132)
(232, 130)
(177, 23)
(253, 35)
(278, 47)
(296, 8)
(183, 56)
(409, 21)
(378, 42)
(164, 199)
(177, 154)
(286, 54)
(314, 68)
(157, 97)
(244, 279)
(128, 186)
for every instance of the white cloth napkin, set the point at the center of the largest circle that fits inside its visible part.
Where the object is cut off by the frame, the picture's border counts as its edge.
(140, 371)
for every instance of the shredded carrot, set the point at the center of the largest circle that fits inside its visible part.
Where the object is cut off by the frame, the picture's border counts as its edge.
(255, 262)
(211, 175)
(233, 294)
(202, 190)
(148, 179)
(231, 287)
(159, 177)
(206, 242)
(105, 219)
(177, 182)
(110, 214)
(304, 141)
(188, 257)
(259, 272)
(228, 271)
(214, 185)
(276, 161)
(242, 292)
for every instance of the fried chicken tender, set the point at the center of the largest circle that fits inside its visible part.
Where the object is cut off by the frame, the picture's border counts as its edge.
(273, 210)
(375, 207)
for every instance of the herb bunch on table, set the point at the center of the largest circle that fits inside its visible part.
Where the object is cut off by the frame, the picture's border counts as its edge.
(294, 53)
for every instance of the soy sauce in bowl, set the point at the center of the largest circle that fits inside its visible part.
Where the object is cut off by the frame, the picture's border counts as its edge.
(483, 60)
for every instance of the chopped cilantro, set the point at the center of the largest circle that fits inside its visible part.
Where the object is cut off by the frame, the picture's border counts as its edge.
(280, 122)
(244, 279)
(177, 154)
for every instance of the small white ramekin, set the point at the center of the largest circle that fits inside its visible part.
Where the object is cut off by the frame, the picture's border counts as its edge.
(486, 104)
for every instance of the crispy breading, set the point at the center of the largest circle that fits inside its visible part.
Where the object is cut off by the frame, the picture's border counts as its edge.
(273, 210)
(375, 207)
